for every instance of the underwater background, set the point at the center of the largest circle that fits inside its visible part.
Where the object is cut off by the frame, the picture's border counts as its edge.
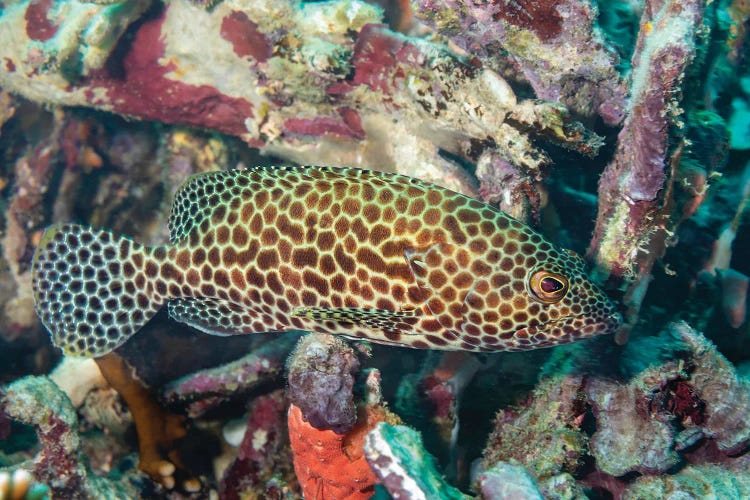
(618, 129)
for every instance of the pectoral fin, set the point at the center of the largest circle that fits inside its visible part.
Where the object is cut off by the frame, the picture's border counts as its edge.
(450, 280)
(376, 319)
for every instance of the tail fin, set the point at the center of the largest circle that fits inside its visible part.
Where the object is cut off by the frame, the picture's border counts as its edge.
(89, 288)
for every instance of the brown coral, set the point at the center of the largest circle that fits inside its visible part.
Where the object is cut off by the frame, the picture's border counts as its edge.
(158, 430)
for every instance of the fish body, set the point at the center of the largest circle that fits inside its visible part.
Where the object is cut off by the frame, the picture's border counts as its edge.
(364, 254)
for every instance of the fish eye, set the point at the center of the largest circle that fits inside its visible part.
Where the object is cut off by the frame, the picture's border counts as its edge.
(548, 287)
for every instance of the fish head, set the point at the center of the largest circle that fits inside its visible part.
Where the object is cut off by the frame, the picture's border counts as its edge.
(556, 303)
(514, 297)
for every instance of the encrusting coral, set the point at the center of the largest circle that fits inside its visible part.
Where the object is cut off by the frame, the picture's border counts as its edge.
(331, 465)
(321, 378)
(544, 433)
(622, 421)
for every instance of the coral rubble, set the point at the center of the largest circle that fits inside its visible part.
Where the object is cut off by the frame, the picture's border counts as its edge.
(38, 402)
(553, 45)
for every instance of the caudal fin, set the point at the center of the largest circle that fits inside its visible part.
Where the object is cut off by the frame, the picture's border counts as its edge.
(86, 288)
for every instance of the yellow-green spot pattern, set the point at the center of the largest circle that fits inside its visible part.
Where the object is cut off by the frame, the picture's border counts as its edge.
(344, 251)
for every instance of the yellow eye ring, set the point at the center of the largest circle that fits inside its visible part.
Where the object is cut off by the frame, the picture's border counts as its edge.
(548, 287)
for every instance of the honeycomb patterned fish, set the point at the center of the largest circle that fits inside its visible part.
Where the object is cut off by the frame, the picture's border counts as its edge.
(358, 253)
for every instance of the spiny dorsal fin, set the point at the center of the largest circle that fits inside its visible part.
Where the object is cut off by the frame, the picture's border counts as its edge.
(192, 202)
(196, 199)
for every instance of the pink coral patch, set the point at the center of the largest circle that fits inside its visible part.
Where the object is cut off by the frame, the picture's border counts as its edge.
(245, 37)
(38, 25)
(145, 91)
(540, 17)
(378, 54)
(349, 126)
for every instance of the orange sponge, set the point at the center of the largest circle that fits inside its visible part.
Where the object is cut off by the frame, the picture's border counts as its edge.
(332, 466)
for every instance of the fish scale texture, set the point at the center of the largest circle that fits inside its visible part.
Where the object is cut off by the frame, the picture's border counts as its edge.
(353, 252)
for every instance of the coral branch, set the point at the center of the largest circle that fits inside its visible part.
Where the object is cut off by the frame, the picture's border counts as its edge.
(158, 430)
(206, 389)
(635, 190)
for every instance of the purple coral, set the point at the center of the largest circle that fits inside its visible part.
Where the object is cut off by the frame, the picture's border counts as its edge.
(207, 389)
(321, 378)
(553, 44)
(264, 452)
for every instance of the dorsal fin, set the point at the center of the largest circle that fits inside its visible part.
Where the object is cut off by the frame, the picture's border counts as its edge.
(196, 199)
(191, 206)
